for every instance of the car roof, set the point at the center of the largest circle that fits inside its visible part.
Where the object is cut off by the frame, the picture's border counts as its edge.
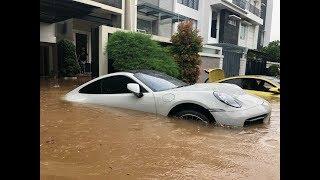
(263, 77)
(132, 72)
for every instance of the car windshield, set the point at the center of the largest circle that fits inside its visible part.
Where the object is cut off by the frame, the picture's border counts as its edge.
(274, 80)
(159, 81)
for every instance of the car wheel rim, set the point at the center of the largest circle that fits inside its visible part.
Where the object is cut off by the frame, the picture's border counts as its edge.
(193, 117)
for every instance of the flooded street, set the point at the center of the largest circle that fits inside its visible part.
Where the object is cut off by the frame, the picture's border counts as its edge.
(94, 142)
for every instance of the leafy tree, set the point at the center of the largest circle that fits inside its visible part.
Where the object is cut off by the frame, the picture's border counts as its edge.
(186, 44)
(272, 51)
(135, 51)
(68, 63)
(273, 70)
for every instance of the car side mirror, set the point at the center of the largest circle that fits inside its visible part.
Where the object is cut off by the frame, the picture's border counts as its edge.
(135, 89)
(275, 90)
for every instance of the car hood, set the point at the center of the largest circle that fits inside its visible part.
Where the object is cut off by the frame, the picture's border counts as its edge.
(227, 88)
(247, 100)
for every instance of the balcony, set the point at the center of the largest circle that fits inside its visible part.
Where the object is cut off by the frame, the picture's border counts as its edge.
(152, 19)
(243, 4)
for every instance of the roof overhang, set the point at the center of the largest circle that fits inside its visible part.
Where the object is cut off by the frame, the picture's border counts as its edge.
(152, 10)
(52, 11)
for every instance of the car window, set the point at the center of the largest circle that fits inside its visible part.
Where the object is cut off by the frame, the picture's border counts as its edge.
(264, 86)
(109, 85)
(159, 81)
(92, 88)
(236, 81)
(249, 84)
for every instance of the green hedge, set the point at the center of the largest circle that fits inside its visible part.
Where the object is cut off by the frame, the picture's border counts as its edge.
(135, 51)
(68, 63)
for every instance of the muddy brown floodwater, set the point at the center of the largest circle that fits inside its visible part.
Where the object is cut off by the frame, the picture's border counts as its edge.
(94, 142)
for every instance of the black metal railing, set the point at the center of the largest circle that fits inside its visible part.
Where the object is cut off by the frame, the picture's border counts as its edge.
(113, 3)
(243, 4)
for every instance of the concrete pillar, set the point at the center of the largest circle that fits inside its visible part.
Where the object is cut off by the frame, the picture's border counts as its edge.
(221, 63)
(242, 69)
(130, 14)
(103, 39)
(255, 37)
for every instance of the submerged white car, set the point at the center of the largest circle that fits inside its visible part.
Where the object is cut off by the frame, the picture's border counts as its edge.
(154, 92)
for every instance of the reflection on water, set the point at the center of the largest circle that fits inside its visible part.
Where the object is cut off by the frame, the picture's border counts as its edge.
(92, 142)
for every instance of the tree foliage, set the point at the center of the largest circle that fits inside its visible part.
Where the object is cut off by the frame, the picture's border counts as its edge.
(186, 44)
(67, 58)
(272, 51)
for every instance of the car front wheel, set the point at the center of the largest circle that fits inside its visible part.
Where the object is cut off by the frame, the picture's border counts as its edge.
(193, 116)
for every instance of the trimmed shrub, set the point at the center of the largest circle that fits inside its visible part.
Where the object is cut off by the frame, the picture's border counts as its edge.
(136, 51)
(273, 70)
(186, 44)
(68, 64)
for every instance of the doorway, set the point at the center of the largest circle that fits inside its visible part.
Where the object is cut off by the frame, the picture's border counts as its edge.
(83, 51)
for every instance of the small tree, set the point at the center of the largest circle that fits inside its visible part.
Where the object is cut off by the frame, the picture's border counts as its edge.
(273, 51)
(135, 51)
(186, 44)
(68, 63)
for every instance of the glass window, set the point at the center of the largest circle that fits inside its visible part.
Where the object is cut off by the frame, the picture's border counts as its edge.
(236, 81)
(214, 24)
(159, 81)
(273, 79)
(109, 85)
(92, 88)
(250, 84)
(264, 86)
(243, 33)
(194, 4)
(261, 38)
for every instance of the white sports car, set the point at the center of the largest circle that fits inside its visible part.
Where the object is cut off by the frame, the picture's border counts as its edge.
(155, 92)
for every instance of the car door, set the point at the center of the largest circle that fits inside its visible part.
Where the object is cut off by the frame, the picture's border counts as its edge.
(112, 91)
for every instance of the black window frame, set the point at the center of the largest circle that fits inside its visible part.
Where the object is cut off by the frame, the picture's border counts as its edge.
(142, 89)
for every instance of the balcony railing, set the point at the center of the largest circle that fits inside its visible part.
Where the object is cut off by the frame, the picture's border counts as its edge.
(247, 6)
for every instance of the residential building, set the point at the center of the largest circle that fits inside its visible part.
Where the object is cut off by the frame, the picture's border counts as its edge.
(228, 28)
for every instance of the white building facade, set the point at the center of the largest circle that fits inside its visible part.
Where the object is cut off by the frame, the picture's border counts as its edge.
(223, 24)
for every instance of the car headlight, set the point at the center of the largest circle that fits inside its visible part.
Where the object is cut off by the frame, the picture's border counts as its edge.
(227, 99)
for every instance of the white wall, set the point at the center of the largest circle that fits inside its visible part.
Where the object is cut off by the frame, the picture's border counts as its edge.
(47, 33)
(268, 21)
